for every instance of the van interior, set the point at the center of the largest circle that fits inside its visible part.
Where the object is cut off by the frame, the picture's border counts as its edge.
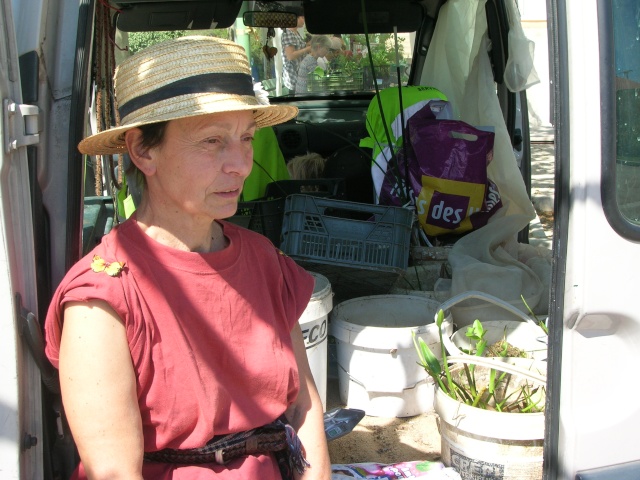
(384, 46)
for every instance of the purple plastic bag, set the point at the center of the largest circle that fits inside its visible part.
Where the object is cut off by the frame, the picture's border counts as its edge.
(446, 174)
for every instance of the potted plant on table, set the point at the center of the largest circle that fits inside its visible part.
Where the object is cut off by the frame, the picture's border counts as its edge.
(344, 73)
(383, 57)
(355, 64)
(491, 409)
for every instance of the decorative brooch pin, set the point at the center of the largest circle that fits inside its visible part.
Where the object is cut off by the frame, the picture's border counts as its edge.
(112, 269)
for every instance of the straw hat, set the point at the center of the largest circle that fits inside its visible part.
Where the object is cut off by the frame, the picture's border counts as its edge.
(179, 78)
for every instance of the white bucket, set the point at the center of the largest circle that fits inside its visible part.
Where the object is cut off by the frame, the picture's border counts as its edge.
(377, 362)
(313, 323)
(485, 444)
(521, 335)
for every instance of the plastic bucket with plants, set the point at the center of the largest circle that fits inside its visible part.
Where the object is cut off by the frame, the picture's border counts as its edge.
(518, 336)
(491, 411)
(487, 443)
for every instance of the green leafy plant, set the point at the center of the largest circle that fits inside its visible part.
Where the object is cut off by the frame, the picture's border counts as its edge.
(141, 40)
(318, 72)
(501, 348)
(382, 48)
(466, 385)
(348, 64)
(382, 54)
(540, 323)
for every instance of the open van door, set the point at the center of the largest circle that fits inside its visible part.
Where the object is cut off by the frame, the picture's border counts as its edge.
(20, 396)
(593, 413)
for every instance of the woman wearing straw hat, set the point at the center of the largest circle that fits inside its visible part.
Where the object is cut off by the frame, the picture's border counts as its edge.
(181, 355)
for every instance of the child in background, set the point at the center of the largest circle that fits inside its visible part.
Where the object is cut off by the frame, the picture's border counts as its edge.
(305, 167)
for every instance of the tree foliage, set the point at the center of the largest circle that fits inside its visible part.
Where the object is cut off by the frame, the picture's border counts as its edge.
(141, 40)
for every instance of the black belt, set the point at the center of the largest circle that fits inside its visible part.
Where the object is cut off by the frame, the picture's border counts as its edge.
(278, 437)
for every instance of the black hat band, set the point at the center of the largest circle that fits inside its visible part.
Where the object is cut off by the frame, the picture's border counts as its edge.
(225, 83)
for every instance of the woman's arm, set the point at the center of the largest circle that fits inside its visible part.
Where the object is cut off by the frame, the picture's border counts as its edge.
(291, 53)
(99, 391)
(306, 416)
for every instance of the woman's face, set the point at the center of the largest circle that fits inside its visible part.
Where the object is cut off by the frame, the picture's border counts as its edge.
(201, 165)
(319, 51)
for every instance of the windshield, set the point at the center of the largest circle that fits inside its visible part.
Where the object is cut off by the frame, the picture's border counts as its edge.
(325, 64)
(345, 67)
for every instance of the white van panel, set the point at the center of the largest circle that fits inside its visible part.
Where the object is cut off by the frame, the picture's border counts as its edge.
(599, 416)
(20, 395)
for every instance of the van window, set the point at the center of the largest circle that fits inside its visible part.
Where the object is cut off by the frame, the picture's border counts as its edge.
(621, 150)
(345, 69)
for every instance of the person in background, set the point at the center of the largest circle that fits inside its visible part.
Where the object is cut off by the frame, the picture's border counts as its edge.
(177, 338)
(320, 45)
(338, 41)
(305, 167)
(294, 49)
(337, 48)
(328, 62)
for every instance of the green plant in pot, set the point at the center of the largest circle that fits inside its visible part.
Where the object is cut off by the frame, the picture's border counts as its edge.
(491, 410)
(347, 64)
(461, 383)
(383, 57)
(382, 54)
(502, 322)
(501, 348)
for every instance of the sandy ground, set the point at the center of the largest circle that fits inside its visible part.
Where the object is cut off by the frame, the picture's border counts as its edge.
(385, 440)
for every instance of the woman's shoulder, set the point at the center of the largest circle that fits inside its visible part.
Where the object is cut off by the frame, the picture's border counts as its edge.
(289, 35)
(106, 260)
(95, 276)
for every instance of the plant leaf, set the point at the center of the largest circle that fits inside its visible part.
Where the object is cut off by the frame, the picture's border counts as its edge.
(428, 360)
(475, 331)
(429, 357)
(492, 381)
(540, 323)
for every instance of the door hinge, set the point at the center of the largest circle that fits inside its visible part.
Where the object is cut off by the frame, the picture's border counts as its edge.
(20, 125)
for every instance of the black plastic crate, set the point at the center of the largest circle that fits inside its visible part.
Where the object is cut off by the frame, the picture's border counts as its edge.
(318, 187)
(262, 216)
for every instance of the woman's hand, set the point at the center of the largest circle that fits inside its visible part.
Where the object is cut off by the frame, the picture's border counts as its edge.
(306, 416)
(99, 391)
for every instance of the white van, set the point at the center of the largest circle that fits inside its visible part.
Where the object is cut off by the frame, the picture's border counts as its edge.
(56, 203)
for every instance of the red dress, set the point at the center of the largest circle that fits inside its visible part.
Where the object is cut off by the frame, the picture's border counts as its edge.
(209, 336)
